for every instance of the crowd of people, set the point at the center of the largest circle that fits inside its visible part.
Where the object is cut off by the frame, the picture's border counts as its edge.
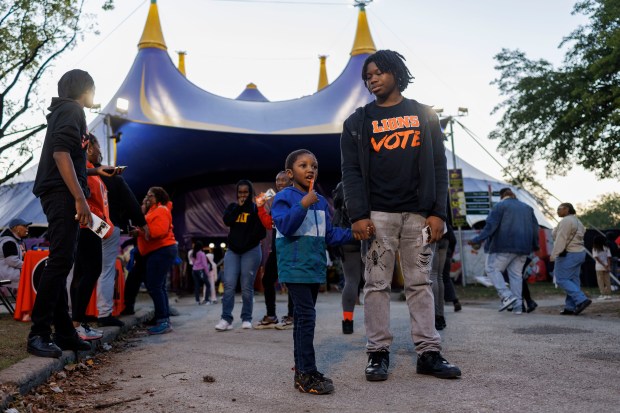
(391, 207)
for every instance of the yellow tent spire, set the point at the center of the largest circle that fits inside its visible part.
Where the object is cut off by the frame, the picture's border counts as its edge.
(363, 43)
(323, 82)
(182, 54)
(152, 35)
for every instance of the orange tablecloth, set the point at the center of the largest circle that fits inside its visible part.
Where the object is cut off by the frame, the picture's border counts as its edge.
(34, 262)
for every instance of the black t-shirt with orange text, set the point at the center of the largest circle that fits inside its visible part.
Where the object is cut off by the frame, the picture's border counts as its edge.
(395, 138)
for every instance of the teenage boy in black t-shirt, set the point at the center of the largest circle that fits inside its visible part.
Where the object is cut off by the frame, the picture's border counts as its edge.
(61, 186)
(395, 183)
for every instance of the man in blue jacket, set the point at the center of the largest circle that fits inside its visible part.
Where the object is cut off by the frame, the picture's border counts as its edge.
(511, 234)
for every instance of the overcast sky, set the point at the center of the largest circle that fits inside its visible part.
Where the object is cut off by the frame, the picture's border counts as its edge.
(449, 46)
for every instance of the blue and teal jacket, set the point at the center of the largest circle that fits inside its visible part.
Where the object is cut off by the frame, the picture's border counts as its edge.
(302, 236)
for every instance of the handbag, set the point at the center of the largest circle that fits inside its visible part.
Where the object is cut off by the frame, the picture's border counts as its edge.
(563, 253)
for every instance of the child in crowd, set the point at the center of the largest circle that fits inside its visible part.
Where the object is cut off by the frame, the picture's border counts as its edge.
(304, 228)
(270, 277)
(602, 258)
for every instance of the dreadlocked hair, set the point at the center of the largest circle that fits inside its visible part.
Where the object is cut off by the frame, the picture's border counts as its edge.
(389, 61)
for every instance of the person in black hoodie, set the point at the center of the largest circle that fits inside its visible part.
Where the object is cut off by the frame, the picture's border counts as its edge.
(243, 256)
(124, 209)
(395, 183)
(61, 185)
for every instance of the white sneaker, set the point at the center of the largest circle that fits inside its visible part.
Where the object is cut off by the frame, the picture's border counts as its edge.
(246, 325)
(517, 312)
(486, 281)
(507, 302)
(87, 334)
(223, 325)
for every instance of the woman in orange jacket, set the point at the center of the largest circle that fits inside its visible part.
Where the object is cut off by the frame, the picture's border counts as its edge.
(159, 247)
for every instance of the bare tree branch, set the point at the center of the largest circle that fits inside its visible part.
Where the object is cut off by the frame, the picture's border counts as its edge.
(16, 171)
(22, 138)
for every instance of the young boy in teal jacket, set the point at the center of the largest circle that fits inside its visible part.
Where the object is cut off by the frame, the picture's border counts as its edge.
(304, 229)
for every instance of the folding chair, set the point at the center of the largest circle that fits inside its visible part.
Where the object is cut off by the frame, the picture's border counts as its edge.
(4, 300)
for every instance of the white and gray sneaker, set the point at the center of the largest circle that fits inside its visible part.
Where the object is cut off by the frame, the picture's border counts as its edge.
(87, 334)
(507, 302)
(223, 325)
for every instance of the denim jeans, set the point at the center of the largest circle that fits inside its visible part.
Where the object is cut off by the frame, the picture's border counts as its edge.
(158, 264)
(105, 285)
(304, 314)
(52, 304)
(240, 267)
(399, 232)
(497, 263)
(566, 271)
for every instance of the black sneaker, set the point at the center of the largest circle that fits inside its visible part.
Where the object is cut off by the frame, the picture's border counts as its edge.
(531, 306)
(41, 346)
(431, 363)
(347, 326)
(457, 306)
(73, 343)
(377, 367)
(440, 322)
(582, 306)
(313, 383)
(110, 321)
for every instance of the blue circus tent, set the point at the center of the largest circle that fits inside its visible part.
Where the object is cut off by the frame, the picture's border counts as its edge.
(170, 125)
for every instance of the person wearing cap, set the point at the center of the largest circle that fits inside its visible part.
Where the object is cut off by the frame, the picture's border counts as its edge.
(12, 250)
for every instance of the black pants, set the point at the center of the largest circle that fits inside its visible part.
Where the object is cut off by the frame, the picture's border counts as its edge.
(86, 272)
(449, 293)
(51, 304)
(269, 283)
(134, 279)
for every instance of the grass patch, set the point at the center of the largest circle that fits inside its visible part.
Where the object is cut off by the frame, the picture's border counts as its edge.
(13, 343)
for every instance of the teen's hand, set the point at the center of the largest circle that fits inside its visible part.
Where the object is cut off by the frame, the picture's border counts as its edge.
(310, 199)
(436, 225)
(83, 212)
(363, 229)
(105, 170)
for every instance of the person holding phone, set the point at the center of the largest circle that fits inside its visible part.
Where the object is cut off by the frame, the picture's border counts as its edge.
(395, 184)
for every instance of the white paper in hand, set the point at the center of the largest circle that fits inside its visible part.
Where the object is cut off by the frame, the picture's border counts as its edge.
(99, 226)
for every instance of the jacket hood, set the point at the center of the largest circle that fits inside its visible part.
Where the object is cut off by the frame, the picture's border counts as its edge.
(58, 103)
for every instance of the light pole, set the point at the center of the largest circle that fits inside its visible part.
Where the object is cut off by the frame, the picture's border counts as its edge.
(462, 111)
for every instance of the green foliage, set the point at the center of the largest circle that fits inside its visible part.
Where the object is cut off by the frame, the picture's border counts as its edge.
(32, 35)
(571, 114)
(603, 213)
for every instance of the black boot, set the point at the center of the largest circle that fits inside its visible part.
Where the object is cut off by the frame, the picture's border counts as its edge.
(377, 368)
(457, 306)
(347, 326)
(73, 343)
(43, 347)
(531, 306)
(431, 363)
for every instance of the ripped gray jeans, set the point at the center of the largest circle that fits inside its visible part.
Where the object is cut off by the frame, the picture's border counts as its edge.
(399, 232)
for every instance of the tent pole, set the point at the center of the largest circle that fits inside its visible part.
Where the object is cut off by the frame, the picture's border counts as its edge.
(462, 255)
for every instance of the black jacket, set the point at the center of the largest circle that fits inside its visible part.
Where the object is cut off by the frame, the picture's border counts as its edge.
(355, 161)
(66, 132)
(246, 228)
(123, 203)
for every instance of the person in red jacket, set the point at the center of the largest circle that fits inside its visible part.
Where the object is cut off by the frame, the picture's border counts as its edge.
(88, 257)
(158, 245)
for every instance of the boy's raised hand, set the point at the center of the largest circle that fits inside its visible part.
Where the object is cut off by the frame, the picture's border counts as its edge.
(309, 199)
